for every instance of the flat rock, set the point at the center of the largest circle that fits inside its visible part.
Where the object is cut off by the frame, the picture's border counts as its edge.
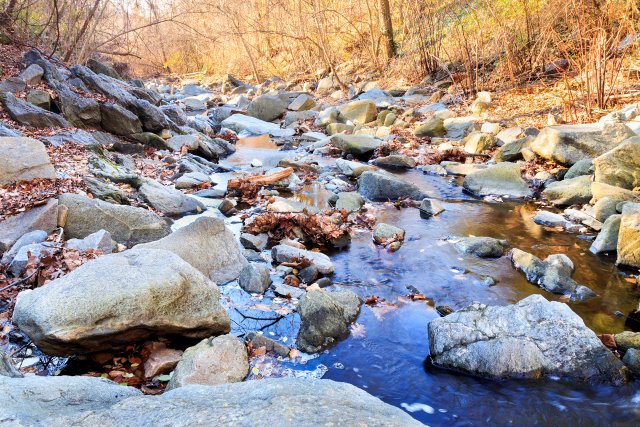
(395, 161)
(357, 145)
(482, 247)
(39, 218)
(212, 361)
(24, 159)
(128, 225)
(97, 307)
(88, 401)
(569, 191)
(167, 200)
(31, 116)
(208, 245)
(530, 339)
(252, 126)
(286, 253)
(502, 179)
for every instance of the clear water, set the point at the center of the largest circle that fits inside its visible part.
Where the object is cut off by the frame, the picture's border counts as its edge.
(388, 359)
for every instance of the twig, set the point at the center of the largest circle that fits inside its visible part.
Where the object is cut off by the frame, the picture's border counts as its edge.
(21, 281)
(257, 318)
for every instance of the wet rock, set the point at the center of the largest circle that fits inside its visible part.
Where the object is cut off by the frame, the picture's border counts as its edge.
(607, 239)
(285, 253)
(430, 207)
(631, 360)
(207, 245)
(256, 242)
(39, 218)
(385, 186)
(627, 340)
(74, 314)
(354, 169)
(530, 339)
(98, 241)
(580, 168)
(254, 278)
(553, 274)
(629, 236)
(349, 201)
(309, 274)
(213, 361)
(568, 144)
(358, 112)
(252, 126)
(395, 161)
(434, 127)
(23, 159)
(502, 179)
(386, 232)
(482, 247)
(569, 191)
(31, 116)
(287, 291)
(621, 165)
(267, 108)
(168, 200)
(479, 142)
(358, 145)
(325, 318)
(127, 224)
(118, 120)
(551, 219)
(88, 401)
(258, 340)
(161, 360)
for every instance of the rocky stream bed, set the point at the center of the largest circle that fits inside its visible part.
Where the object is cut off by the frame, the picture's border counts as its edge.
(248, 255)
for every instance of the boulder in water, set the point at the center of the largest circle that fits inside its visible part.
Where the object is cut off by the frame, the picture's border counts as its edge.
(502, 179)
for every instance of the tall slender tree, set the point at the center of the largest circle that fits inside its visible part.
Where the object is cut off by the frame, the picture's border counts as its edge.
(387, 24)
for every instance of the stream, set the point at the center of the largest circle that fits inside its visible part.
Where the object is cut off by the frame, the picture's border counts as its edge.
(388, 355)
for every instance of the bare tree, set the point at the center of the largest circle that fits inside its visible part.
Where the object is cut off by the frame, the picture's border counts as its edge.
(387, 23)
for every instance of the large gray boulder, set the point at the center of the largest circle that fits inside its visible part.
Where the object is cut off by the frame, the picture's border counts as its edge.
(530, 339)
(23, 159)
(79, 111)
(118, 120)
(553, 274)
(207, 245)
(87, 401)
(128, 225)
(385, 186)
(31, 116)
(168, 200)
(569, 191)
(620, 166)
(568, 144)
(119, 299)
(502, 179)
(212, 361)
(325, 318)
(267, 108)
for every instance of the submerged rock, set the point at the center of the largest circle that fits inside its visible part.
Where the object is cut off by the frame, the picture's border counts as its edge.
(530, 339)
(553, 274)
(483, 247)
(502, 179)
(208, 245)
(118, 299)
(325, 318)
(384, 186)
(89, 401)
(399, 161)
(212, 361)
(430, 207)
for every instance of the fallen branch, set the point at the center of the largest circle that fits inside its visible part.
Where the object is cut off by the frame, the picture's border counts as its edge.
(260, 179)
(19, 282)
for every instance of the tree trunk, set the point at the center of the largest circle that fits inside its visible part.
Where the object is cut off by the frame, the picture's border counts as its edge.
(6, 16)
(85, 25)
(390, 44)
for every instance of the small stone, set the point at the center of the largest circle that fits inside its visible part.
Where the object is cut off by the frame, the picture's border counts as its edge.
(430, 207)
(254, 278)
(161, 360)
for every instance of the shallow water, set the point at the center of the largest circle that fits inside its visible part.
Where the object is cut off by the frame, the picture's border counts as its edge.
(387, 355)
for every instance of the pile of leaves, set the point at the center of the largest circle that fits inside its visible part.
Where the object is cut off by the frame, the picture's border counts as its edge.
(321, 229)
(435, 157)
(24, 195)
